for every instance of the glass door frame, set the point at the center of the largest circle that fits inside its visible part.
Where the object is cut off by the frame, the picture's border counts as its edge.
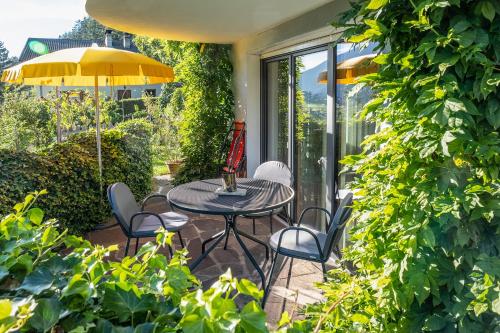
(332, 163)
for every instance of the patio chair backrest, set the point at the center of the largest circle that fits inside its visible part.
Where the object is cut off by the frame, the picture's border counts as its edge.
(274, 171)
(337, 224)
(123, 204)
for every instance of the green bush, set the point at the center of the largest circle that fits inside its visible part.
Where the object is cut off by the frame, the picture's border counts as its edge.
(426, 243)
(51, 281)
(132, 105)
(27, 122)
(69, 172)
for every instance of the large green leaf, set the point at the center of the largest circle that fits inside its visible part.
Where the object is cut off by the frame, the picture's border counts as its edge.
(5, 308)
(253, 319)
(435, 323)
(420, 285)
(38, 281)
(376, 4)
(249, 288)
(35, 215)
(145, 328)
(3, 272)
(46, 314)
(124, 304)
(488, 9)
(193, 323)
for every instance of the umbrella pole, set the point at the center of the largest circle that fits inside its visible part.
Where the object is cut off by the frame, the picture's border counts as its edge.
(58, 117)
(98, 128)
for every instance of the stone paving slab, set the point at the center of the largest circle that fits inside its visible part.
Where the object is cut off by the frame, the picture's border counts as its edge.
(285, 295)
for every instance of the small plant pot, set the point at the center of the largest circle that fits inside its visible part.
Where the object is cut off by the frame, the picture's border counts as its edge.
(174, 167)
(229, 181)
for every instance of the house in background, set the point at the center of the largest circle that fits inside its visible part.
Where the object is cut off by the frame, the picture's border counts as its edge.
(36, 47)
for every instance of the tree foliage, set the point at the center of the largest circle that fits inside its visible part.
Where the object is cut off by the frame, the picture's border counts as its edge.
(5, 62)
(426, 241)
(80, 289)
(89, 29)
(27, 122)
(203, 103)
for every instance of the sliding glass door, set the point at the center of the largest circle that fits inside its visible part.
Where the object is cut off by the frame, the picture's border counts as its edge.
(278, 115)
(311, 116)
(350, 100)
(310, 120)
(296, 116)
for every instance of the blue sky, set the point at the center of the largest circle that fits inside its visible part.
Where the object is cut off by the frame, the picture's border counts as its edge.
(20, 19)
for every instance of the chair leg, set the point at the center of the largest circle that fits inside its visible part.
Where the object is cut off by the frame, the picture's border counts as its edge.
(253, 222)
(271, 223)
(126, 246)
(266, 291)
(288, 278)
(180, 238)
(325, 272)
(136, 245)
(170, 251)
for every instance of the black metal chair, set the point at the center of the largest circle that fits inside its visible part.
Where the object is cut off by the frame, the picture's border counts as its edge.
(137, 223)
(277, 172)
(308, 244)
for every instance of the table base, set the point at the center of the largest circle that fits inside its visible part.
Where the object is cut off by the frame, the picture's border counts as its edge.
(231, 225)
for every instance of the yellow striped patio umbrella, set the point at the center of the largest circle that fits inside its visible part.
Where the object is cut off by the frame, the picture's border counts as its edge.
(89, 66)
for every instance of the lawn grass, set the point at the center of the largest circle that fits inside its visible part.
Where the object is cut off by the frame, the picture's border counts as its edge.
(159, 167)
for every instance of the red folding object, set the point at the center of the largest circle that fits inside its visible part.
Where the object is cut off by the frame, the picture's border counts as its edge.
(236, 154)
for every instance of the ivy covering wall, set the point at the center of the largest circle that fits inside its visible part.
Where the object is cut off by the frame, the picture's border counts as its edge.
(426, 242)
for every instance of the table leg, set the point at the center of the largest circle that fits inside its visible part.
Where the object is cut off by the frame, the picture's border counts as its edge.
(232, 222)
(205, 253)
(255, 240)
(225, 242)
(214, 237)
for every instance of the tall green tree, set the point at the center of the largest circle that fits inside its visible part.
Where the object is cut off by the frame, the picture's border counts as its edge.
(426, 242)
(88, 28)
(5, 62)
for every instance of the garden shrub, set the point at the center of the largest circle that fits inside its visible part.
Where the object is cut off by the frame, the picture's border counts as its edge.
(27, 122)
(426, 243)
(69, 172)
(132, 105)
(51, 281)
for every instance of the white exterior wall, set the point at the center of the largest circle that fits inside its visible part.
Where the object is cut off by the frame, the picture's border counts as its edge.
(308, 30)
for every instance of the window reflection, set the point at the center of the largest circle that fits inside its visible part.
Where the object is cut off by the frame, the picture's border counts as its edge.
(352, 62)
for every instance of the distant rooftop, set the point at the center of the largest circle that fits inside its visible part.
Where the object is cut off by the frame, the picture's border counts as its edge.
(36, 47)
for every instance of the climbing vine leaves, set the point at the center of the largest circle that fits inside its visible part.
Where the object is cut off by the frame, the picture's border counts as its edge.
(426, 241)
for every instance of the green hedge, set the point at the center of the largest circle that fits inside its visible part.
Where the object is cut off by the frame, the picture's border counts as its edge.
(129, 105)
(69, 172)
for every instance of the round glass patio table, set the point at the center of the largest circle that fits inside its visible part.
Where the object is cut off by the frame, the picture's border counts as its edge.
(201, 197)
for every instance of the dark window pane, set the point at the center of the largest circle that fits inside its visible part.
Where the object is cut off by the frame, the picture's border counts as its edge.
(277, 110)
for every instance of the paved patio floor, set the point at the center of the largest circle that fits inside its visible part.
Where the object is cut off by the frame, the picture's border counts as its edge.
(291, 297)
